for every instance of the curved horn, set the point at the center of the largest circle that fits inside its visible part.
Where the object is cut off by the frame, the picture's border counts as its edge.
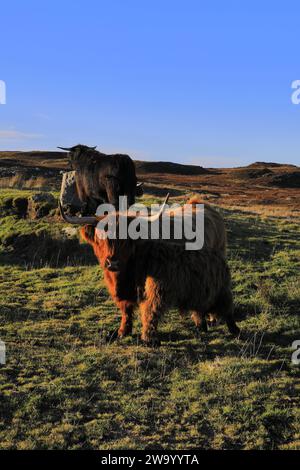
(65, 148)
(78, 220)
(153, 218)
(139, 184)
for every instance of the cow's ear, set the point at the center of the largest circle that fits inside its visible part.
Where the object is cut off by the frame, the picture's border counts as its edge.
(87, 233)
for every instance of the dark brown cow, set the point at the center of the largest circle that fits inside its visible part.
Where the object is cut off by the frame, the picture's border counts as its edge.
(102, 178)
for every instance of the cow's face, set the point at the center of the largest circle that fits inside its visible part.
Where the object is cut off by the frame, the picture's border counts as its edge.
(76, 153)
(114, 254)
(118, 254)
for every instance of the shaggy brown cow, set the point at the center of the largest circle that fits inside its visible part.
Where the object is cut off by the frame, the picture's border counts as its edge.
(157, 275)
(165, 276)
(214, 237)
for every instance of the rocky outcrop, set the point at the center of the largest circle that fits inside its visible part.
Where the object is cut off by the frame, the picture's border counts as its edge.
(40, 204)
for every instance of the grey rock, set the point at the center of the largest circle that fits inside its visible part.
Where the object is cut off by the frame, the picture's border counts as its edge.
(68, 193)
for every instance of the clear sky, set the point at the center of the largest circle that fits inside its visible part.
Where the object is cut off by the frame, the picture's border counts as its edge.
(192, 81)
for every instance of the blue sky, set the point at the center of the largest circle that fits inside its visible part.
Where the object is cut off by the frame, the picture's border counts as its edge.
(202, 82)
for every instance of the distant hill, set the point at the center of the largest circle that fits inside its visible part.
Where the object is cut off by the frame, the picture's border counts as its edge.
(58, 160)
(269, 165)
(170, 168)
(35, 159)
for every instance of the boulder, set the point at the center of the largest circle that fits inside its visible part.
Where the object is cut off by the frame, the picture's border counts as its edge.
(40, 204)
(68, 193)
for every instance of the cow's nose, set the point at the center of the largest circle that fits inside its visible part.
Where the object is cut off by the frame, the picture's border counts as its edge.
(112, 265)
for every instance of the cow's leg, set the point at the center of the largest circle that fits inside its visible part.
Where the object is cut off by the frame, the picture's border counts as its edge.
(150, 315)
(212, 320)
(126, 319)
(200, 321)
(183, 312)
(151, 310)
(224, 309)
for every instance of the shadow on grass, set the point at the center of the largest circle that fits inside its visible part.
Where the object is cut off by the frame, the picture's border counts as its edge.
(251, 240)
(37, 250)
(255, 239)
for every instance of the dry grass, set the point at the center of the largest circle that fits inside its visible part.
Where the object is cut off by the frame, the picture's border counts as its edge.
(18, 181)
(266, 210)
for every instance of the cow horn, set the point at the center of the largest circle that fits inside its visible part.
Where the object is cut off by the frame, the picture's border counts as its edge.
(78, 220)
(65, 148)
(139, 184)
(153, 218)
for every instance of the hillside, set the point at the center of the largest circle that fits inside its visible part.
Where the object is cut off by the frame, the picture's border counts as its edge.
(262, 187)
(59, 161)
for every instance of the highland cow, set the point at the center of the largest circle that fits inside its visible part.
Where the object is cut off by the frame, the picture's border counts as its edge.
(102, 178)
(157, 275)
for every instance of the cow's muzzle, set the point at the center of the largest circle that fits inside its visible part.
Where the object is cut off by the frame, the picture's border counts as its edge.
(112, 265)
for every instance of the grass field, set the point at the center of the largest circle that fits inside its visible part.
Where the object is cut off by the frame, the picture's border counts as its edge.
(65, 387)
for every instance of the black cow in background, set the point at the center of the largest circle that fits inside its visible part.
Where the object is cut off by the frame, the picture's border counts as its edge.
(102, 178)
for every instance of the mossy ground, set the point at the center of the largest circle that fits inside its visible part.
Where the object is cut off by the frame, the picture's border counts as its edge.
(65, 387)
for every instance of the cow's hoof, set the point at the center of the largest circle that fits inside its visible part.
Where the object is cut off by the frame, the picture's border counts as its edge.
(124, 333)
(151, 342)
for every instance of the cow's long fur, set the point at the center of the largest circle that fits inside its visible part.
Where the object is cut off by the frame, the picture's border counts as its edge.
(214, 235)
(102, 178)
(157, 275)
(214, 227)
